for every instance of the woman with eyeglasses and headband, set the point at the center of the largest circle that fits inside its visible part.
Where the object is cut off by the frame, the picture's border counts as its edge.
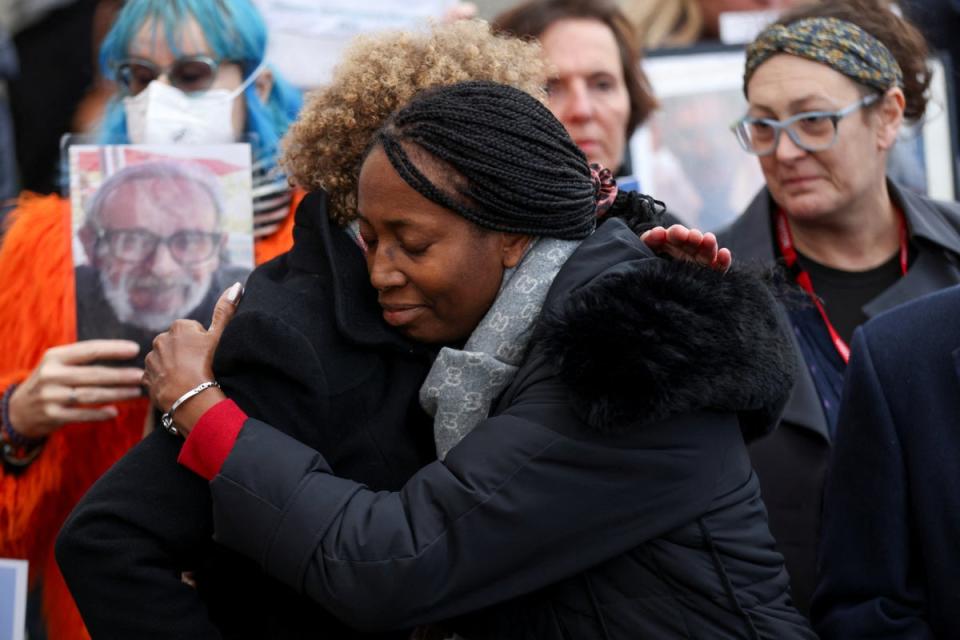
(190, 71)
(829, 88)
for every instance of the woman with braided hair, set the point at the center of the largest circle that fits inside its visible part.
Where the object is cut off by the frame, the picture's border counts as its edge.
(589, 404)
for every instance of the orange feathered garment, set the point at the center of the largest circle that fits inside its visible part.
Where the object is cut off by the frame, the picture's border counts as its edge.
(38, 311)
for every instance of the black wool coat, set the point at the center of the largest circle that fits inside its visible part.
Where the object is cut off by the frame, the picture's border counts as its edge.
(307, 351)
(890, 551)
(609, 496)
(792, 462)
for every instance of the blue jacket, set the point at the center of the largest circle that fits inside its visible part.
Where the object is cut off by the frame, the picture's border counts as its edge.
(889, 562)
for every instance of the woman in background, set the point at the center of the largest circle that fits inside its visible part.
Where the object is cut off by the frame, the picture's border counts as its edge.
(829, 88)
(596, 87)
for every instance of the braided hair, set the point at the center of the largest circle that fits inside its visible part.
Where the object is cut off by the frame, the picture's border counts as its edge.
(637, 210)
(507, 163)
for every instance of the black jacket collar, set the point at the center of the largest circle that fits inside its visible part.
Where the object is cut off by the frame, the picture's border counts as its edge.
(934, 228)
(638, 339)
(320, 246)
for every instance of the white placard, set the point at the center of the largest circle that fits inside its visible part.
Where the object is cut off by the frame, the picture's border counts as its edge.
(307, 37)
(13, 599)
(742, 27)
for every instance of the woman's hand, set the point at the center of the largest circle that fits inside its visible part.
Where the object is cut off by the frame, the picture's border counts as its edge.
(689, 244)
(182, 358)
(65, 384)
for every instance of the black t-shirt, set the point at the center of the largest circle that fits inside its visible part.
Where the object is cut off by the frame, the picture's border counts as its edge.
(844, 293)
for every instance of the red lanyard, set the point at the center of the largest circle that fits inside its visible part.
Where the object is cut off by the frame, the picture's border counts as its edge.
(789, 253)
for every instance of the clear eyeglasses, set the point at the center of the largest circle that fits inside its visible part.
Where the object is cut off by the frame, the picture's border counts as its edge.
(136, 245)
(810, 130)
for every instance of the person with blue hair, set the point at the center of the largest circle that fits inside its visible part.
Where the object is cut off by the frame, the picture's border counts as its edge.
(186, 79)
(190, 71)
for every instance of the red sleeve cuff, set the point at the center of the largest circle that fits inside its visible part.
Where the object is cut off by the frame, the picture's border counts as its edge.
(212, 439)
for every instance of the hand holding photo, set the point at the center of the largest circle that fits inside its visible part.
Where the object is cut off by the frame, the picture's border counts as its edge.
(157, 235)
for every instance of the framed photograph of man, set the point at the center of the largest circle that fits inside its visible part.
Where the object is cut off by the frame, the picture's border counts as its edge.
(687, 156)
(158, 233)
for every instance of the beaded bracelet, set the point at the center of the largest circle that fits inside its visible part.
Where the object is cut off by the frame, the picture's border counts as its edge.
(18, 449)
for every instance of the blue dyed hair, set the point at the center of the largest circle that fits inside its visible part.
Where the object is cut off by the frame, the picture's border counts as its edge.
(234, 31)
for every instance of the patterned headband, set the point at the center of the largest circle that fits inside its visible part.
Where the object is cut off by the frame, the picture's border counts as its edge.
(839, 44)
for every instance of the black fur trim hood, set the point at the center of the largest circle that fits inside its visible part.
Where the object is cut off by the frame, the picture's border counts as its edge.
(652, 338)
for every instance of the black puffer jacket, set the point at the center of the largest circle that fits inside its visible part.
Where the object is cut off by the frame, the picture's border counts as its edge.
(614, 469)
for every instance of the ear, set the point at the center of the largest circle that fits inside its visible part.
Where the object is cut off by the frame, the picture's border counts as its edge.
(513, 246)
(263, 85)
(890, 112)
(88, 238)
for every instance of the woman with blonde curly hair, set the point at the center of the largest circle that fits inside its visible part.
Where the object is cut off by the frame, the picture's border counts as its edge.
(379, 74)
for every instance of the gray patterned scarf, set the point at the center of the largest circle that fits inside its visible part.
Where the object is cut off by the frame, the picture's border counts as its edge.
(462, 384)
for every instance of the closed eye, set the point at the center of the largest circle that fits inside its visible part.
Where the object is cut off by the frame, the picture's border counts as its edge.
(416, 250)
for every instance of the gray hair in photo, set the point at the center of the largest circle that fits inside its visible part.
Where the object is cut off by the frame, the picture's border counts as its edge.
(159, 170)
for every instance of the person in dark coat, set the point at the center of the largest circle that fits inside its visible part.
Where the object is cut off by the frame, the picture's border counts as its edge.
(609, 489)
(889, 552)
(855, 241)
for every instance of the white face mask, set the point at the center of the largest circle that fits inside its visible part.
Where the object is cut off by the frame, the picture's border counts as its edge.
(161, 114)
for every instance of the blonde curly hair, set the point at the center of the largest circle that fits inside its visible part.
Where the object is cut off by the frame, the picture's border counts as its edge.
(380, 73)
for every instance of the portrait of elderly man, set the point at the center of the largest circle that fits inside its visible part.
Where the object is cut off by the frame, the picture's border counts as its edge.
(156, 252)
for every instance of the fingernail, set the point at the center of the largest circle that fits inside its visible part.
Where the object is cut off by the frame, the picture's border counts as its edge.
(233, 293)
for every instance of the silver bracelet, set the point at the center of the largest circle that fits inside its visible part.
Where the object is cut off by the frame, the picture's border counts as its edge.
(167, 419)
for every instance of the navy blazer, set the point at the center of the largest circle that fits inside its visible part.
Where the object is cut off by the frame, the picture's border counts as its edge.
(890, 550)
